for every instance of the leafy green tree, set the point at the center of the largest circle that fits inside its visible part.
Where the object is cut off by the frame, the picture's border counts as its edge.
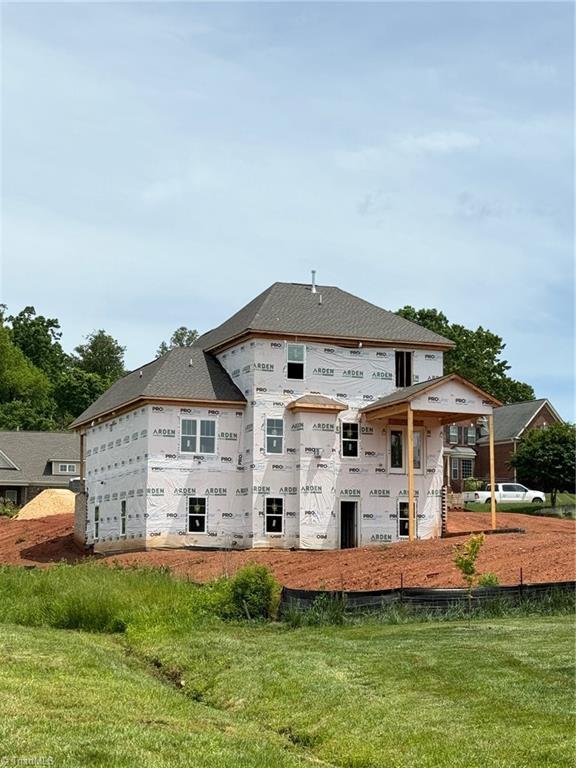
(21, 415)
(102, 355)
(39, 339)
(75, 390)
(476, 355)
(182, 337)
(19, 378)
(544, 459)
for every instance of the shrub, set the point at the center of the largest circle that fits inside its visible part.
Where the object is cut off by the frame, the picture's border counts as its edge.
(254, 593)
(8, 508)
(488, 580)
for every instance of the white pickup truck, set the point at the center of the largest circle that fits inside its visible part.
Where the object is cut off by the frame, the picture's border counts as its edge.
(505, 493)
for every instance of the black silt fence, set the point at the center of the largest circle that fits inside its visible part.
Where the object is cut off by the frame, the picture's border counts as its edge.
(302, 599)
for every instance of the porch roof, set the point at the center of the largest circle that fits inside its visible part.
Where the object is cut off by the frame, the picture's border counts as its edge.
(449, 398)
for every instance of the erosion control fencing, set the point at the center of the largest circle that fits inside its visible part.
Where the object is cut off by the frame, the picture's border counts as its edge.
(303, 599)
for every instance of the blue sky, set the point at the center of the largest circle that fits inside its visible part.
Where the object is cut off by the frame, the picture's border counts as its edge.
(162, 163)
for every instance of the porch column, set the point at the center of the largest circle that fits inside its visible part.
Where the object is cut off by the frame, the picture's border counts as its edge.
(411, 516)
(492, 473)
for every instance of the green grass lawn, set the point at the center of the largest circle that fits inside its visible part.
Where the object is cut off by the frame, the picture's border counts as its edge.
(180, 687)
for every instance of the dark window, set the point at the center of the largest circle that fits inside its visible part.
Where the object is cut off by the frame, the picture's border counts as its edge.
(349, 439)
(123, 518)
(403, 521)
(295, 369)
(274, 515)
(396, 449)
(96, 522)
(403, 369)
(196, 515)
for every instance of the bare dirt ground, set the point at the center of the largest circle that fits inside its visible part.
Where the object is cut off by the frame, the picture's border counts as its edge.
(545, 552)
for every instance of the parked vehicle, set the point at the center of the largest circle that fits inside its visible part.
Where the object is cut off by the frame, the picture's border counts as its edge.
(506, 493)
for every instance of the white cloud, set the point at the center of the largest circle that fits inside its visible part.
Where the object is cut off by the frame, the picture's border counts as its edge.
(441, 142)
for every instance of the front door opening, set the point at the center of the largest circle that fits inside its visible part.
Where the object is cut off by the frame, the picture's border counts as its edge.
(348, 515)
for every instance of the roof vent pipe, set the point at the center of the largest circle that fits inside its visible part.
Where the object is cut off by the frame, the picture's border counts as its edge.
(313, 281)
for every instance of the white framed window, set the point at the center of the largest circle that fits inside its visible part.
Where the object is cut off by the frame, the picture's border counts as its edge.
(350, 439)
(123, 517)
(453, 434)
(197, 514)
(67, 469)
(296, 354)
(10, 494)
(274, 436)
(397, 463)
(403, 368)
(454, 468)
(274, 515)
(403, 520)
(198, 436)
(467, 468)
(96, 523)
(471, 436)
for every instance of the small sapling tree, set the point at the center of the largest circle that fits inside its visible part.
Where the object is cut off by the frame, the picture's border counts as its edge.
(465, 557)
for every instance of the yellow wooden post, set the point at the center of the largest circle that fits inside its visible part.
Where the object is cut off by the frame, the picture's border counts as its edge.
(492, 473)
(411, 516)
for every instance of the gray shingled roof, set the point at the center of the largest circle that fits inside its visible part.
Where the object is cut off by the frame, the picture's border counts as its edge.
(510, 420)
(406, 393)
(170, 376)
(32, 452)
(292, 309)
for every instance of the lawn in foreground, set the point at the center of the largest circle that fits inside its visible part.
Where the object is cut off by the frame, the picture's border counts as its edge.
(496, 694)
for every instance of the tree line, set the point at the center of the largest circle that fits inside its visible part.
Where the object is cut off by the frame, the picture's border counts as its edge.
(44, 388)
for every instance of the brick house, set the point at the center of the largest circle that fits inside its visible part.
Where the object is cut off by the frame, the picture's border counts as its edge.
(31, 462)
(511, 422)
(310, 419)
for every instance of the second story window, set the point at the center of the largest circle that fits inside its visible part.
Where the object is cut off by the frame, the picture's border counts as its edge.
(274, 436)
(453, 434)
(198, 436)
(295, 367)
(403, 369)
(350, 439)
(123, 518)
(471, 436)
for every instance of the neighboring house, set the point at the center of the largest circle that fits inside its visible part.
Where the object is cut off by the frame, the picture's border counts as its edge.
(459, 453)
(310, 419)
(30, 462)
(511, 422)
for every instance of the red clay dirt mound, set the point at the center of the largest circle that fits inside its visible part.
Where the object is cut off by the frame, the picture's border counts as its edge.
(546, 552)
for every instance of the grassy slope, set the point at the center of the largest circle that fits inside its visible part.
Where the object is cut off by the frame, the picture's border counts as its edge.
(433, 695)
(498, 694)
(79, 699)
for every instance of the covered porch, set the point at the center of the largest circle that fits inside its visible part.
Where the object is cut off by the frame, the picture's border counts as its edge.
(441, 401)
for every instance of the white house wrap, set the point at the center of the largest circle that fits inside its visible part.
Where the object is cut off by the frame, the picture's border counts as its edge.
(285, 427)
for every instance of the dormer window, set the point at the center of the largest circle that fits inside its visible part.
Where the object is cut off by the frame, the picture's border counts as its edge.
(403, 368)
(63, 468)
(295, 368)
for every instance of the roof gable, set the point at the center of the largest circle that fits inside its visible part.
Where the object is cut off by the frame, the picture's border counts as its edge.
(511, 420)
(294, 309)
